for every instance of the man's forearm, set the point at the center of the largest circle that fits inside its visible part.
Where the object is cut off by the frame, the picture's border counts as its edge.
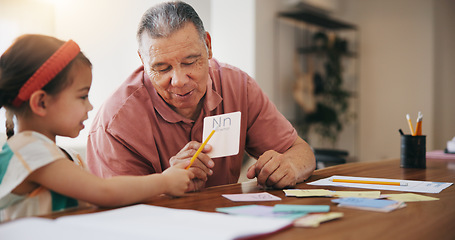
(302, 158)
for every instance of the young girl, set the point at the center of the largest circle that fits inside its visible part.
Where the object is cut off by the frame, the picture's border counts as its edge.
(45, 83)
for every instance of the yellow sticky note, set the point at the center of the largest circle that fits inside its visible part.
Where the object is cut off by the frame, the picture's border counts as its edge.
(410, 197)
(360, 194)
(307, 193)
(313, 220)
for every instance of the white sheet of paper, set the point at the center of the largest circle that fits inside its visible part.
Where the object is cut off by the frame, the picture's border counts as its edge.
(143, 222)
(168, 223)
(226, 140)
(413, 186)
(42, 228)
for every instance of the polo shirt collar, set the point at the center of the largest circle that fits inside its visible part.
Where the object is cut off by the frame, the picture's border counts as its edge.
(211, 100)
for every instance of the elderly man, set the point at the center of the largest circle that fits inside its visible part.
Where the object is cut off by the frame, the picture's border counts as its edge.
(155, 118)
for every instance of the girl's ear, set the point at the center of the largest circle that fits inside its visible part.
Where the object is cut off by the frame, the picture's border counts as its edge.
(38, 102)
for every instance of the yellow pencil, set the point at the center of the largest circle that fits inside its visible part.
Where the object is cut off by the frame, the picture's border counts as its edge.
(410, 124)
(369, 182)
(200, 148)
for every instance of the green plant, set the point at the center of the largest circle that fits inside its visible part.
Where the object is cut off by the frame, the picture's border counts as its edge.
(332, 100)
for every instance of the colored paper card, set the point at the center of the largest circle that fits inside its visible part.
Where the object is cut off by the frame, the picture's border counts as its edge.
(357, 194)
(314, 220)
(307, 193)
(251, 197)
(226, 140)
(259, 211)
(387, 208)
(379, 205)
(300, 208)
(409, 197)
(364, 202)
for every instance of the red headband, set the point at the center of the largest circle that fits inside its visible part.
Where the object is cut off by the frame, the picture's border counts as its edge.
(56, 63)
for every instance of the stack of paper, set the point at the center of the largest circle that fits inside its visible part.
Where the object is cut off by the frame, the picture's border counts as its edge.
(380, 205)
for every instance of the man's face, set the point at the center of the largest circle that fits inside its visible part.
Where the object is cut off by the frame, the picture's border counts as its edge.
(178, 68)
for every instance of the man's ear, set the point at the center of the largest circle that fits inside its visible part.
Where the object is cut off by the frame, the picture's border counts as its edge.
(140, 56)
(38, 102)
(146, 68)
(208, 43)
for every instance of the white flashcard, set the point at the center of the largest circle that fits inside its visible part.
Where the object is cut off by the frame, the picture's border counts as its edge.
(226, 139)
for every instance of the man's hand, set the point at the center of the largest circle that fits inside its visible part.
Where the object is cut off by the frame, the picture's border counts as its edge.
(277, 170)
(273, 170)
(201, 166)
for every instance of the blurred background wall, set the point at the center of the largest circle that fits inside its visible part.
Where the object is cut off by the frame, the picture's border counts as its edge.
(406, 54)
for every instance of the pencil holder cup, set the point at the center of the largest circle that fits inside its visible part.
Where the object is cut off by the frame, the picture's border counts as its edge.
(413, 151)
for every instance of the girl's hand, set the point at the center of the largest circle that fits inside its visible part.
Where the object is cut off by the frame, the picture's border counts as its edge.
(177, 179)
(201, 166)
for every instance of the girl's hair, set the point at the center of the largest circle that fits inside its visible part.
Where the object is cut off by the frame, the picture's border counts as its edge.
(20, 61)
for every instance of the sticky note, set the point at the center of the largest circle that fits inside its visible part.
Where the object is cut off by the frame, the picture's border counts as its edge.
(364, 202)
(314, 220)
(300, 208)
(409, 197)
(307, 193)
(358, 194)
(259, 211)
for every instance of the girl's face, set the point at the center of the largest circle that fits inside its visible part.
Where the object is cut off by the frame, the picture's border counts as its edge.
(68, 109)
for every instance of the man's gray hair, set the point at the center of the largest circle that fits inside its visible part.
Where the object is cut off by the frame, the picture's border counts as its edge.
(165, 18)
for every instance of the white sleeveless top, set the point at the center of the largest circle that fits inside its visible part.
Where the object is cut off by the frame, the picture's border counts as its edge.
(22, 154)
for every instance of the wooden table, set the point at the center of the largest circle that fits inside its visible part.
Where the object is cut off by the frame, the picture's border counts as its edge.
(418, 220)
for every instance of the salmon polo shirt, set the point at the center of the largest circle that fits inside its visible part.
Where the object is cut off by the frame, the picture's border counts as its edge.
(135, 132)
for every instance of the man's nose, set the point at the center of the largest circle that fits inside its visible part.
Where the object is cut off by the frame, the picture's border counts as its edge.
(179, 78)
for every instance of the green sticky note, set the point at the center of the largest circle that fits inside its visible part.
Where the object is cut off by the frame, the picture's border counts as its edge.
(300, 208)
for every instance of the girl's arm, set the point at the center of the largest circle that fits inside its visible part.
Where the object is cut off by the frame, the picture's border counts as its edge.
(64, 177)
